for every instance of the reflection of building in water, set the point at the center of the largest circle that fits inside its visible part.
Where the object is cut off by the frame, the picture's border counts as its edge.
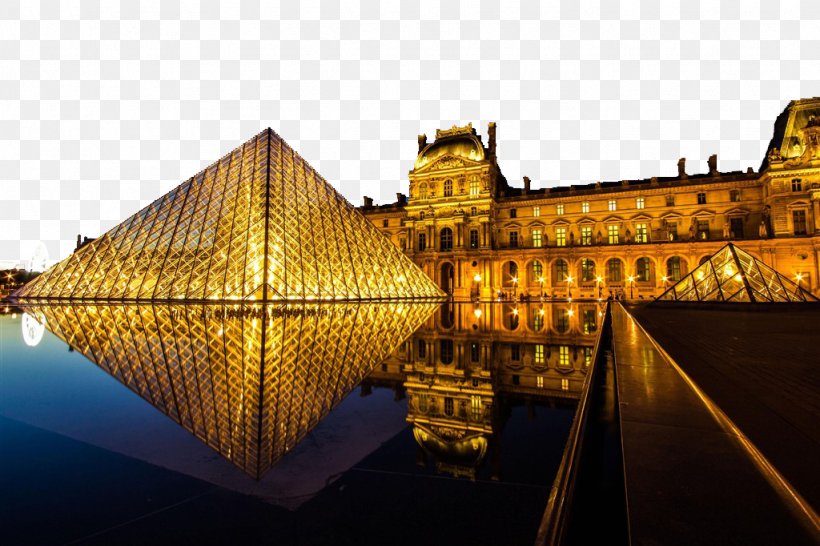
(468, 365)
(475, 234)
(249, 381)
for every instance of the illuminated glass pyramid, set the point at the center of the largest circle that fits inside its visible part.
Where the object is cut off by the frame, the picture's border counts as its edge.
(259, 224)
(249, 380)
(732, 274)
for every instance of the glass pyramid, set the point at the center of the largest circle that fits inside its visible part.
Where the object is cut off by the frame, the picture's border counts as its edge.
(732, 274)
(248, 380)
(259, 224)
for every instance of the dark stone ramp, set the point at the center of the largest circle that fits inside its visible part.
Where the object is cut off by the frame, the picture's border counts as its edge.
(688, 480)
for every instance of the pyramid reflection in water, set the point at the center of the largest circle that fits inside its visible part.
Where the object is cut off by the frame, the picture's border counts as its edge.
(259, 224)
(734, 275)
(250, 381)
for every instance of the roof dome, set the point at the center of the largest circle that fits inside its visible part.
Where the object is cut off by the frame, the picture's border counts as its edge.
(461, 144)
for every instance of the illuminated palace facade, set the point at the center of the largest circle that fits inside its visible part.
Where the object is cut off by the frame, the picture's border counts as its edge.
(477, 236)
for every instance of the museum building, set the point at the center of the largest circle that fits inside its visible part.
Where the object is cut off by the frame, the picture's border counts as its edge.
(479, 237)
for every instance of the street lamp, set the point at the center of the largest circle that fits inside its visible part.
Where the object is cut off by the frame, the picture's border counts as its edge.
(515, 286)
(665, 281)
(598, 281)
(569, 290)
(631, 282)
(798, 277)
(477, 281)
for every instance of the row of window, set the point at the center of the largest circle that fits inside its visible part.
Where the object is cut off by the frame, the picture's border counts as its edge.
(614, 267)
(447, 190)
(612, 204)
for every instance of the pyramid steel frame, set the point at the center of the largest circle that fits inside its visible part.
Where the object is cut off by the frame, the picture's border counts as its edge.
(733, 275)
(259, 224)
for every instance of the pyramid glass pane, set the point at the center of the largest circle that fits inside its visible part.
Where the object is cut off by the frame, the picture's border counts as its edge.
(732, 274)
(259, 224)
(248, 380)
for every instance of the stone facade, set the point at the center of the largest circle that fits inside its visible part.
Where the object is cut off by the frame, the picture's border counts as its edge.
(477, 236)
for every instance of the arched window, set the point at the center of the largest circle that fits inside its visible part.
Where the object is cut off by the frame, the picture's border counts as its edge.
(537, 271)
(423, 191)
(445, 349)
(587, 270)
(474, 186)
(446, 239)
(673, 269)
(560, 270)
(614, 270)
(561, 320)
(422, 242)
(644, 270)
(703, 260)
(448, 188)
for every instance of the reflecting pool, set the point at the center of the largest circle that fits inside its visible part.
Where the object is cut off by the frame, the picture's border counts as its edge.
(343, 423)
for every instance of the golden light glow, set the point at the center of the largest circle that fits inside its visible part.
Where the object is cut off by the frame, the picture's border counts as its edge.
(515, 311)
(599, 279)
(260, 224)
(665, 278)
(630, 278)
(569, 278)
(515, 280)
(570, 312)
(477, 278)
(798, 277)
(477, 313)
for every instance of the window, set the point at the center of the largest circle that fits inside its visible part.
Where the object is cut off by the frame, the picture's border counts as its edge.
(448, 188)
(562, 321)
(539, 354)
(513, 213)
(640, 203)
(590, 318)
(539, 381)
(403, 243)
(513, 239)
(538, 321)
(672, 231)
(563, 356)
(421, 216)
(560, 236)
(586, 235)
(537, 270)
(614, 269)
(536, 238)
(799, 219)
(673, 269)
(670, 200)
(703, 229)
(446, 239)
(736, 228)
(613, 205)
(734, 196)
(612, 235)
(423, 406)
(641, 233)
(561, 270)
(422, 352)
(385, 222)
(474, 186)
(644, 269)
(473, 211)
(587, 356)
(423, 191)
(564, 384)
(585, 207)
(475, 404)
(587, 270)
(702, 198)
(797, 184)
(559, 209)
(473, 238)
(448, 406)
(475, 352)
(445, 351)
(515, 352)
(422, 241)
(536, 211)
(516, 379)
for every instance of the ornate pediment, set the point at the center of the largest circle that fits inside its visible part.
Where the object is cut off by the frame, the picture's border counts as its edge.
(446, 162)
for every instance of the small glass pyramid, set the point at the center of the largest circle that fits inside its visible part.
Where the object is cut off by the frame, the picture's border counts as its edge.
(259, 224)
(732, 274)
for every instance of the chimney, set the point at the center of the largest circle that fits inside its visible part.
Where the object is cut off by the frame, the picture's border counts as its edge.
(682, 168)
(491, 138)
(526, 184)
(401, 199)
(79, 241)
(712, 163)
(422, 142)
(368, 202)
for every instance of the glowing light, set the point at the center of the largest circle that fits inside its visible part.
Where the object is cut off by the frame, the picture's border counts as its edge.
(477, 313)
(570, 312)
(798, 277)
(477, 278)
(541, 280)
(569, 278)
(665, 278)
(728, 270)
(599, 279)
(515, 280)
(738, 277)
(630, 278)
(700, 275)
(541, 312)
(515, 311)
